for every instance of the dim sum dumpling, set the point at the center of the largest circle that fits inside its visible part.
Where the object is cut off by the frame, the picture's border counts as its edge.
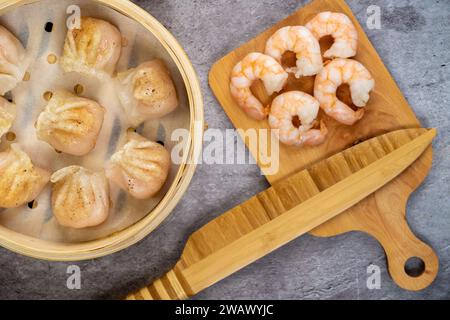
(147, 92)
(12, 61)
(7, 115)
(70, 124)
(94, 49)
(141, 167)
(20, 181)
(80, 197)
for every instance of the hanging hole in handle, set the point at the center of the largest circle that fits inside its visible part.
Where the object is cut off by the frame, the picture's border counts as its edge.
(414, 267)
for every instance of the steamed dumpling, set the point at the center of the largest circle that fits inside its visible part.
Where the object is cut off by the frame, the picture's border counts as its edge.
(141, 167)
(80, 197)
(7, 115)
(147, 92)
(94, 49)
(20, 181)
(70, 124)
(12, 66)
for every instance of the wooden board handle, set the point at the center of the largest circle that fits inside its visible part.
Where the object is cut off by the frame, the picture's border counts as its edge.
(399, 252)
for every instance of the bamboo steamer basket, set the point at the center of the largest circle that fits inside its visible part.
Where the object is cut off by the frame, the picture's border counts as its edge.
(53, 251)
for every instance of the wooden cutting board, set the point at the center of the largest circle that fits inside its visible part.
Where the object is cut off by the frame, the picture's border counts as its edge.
(382, 215)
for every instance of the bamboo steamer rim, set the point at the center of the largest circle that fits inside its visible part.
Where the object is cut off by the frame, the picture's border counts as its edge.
(53, 251)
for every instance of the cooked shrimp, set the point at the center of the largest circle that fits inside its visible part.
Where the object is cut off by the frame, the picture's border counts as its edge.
(336, 73)
(302, 42)
(253, 67)
(293, 104)
(341, 28)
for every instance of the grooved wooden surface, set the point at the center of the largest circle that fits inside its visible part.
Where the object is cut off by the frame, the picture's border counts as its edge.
(381, 215)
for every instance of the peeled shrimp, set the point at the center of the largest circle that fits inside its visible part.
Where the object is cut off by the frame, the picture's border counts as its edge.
(296, 104)
(302, 42)
(253, 67)
(336, 73)
(341, 28)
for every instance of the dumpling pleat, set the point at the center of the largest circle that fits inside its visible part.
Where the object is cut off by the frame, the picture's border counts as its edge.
(141, 167)
(94, 49)
(19, 181)
(70, 124)
(12, 61)
(78, 197)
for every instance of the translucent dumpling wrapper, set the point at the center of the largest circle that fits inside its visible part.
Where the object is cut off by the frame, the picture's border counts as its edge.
(7, 115)
(94, 49)
(70, 124)
(147, 92)
(80, 197)
(140, 168)
(12, 61)
(20, 181)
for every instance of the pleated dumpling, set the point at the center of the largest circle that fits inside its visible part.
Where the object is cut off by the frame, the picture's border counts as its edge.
(7, 115)
(147, 92)
(20, 181)
(12, 65)
(80, 197)
(141, 167)
(70, 124)
(94, 49)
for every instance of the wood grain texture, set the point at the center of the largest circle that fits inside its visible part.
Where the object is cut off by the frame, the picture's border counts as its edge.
(383, 214)
(288, 210)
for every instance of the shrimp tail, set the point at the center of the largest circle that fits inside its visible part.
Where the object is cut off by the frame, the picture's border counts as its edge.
(344, 114)
(323, 128)
(267, 111)
(256, 113)
(351, 117)
(359, 114)
(317, 136)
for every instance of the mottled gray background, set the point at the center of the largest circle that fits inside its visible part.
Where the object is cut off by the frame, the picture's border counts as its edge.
(414, 43)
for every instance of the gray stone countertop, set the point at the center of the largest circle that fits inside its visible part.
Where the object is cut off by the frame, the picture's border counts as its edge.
(414, 43)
